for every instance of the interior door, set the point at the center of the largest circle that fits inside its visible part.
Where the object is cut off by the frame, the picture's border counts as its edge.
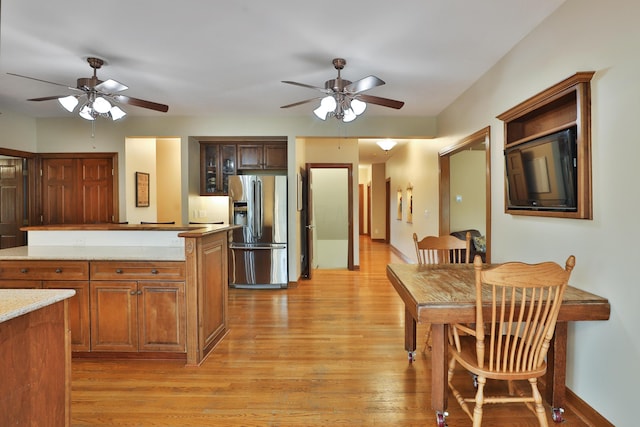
(12, 202)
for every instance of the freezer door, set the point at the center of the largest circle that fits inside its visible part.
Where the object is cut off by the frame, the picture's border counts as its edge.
(258, 266)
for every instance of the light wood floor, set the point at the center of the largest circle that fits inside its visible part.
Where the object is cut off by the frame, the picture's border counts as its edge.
(327, 352)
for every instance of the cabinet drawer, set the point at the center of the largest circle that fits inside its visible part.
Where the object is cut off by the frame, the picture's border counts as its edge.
(117, 270)
(44, 270)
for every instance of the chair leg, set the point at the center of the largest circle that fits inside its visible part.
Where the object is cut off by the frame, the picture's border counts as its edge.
(539, 407)
(454, 391)
(477, 411)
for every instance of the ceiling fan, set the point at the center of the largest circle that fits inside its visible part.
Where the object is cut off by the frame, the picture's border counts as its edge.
(97, 96)
(344, 99)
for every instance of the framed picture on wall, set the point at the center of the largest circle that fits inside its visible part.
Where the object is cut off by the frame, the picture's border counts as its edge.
(142, 190)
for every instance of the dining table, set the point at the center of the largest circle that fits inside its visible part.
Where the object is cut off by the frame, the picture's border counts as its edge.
(442, 294)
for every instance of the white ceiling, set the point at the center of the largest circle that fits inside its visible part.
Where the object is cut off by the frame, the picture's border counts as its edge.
(210, 58)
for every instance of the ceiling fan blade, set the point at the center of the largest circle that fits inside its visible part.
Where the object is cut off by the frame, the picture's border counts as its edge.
(307, 86)
(46, 98)
(141, 103)
(385, 102)
(110, 86)
(361, 85)
(301, 102)
(40, 80)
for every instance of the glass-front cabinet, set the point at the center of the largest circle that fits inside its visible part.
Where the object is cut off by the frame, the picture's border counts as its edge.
(218, 163)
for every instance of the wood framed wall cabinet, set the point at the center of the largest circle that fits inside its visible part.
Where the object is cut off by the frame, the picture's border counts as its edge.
(543, 178)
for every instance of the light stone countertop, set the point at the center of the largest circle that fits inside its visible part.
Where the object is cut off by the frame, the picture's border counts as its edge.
(90, 253)
(16, 302)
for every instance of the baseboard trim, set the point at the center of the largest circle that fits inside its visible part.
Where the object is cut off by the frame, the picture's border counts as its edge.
(586, 413)
(397, 252)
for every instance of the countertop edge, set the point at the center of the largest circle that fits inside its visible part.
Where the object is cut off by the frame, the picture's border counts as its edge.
(17, 302)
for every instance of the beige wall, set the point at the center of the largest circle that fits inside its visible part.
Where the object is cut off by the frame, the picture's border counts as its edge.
(468, 191)
(582, 35)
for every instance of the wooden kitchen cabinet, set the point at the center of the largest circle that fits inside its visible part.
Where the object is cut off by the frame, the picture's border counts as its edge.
(262, 156)
(78, 311)
(55, 275)
(217, 164)
(138, 306)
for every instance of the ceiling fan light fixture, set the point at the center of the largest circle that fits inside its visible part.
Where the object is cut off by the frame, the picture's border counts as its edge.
(386, 144)
(101, 105)
(68, 102)
(117, 112)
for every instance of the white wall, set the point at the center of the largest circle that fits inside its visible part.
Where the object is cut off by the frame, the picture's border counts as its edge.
(582, 35)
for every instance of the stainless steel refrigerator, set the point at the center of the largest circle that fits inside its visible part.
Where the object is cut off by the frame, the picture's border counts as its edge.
(258, 255)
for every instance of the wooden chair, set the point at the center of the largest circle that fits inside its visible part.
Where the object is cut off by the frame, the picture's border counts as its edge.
(522, 302)
(441, 250)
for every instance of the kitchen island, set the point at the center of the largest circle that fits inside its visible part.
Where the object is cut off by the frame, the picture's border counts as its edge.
(34, 357)
(142, 291)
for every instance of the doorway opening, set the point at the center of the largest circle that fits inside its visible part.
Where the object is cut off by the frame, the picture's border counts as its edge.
(330, 215)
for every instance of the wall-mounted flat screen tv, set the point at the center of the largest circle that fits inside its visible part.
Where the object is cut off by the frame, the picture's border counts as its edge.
(541, 173)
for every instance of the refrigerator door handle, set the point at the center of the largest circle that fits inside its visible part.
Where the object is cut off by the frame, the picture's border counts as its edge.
(259, 208)
(258, 248)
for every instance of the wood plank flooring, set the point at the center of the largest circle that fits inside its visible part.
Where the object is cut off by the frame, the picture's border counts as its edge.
(327, 352)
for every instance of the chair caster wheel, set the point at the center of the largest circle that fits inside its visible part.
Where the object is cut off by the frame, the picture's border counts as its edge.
(556, 415)
(412, 356)
(440, 416)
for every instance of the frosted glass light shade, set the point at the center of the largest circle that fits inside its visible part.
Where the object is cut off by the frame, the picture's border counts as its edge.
(358, 106)
(101, 105)
(327, 105)
(349, 115)
(386, 144)
(117, 112)
(68, 102)
(86, 112)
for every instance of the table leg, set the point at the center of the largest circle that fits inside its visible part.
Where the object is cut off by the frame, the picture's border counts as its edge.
(555, 378)
(409, 334)
(439, 368)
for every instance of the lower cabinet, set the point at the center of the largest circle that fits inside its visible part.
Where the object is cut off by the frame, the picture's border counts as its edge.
(78, 312)
(134, 316)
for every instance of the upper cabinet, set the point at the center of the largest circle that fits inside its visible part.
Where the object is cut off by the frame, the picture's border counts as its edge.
(221, 157)
(217, 164)
(262, 156)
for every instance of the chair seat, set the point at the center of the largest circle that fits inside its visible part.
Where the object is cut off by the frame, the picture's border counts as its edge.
(468, 359)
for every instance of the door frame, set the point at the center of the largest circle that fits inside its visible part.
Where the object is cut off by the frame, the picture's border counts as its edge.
(350, 219)
(479, 138)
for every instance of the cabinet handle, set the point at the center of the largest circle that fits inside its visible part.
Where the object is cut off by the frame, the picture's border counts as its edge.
(154, 271)
(24, 270)
(58, 270)
(139, 292)
(118, 271)
(132, 292)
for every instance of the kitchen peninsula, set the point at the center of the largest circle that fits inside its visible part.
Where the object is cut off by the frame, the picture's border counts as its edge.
(142, 291)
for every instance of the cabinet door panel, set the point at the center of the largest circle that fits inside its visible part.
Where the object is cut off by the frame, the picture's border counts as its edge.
(114, 316)
(78, 312)
(162, 318)
(214, 290)
(250, 157)
(275, 156)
